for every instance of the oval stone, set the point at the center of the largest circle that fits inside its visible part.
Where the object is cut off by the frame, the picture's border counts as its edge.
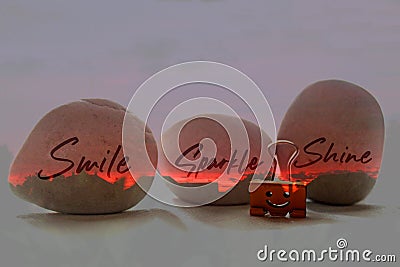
(73, 160)
(221, 178)
(339, 130)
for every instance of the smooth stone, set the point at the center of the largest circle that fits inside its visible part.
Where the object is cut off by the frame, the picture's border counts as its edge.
(94, 130)
(339, 117)
(198, 128)
(347, 188)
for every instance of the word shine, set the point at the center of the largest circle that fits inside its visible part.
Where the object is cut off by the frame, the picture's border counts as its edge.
(86, 164)
(213, 163)
(330, 156)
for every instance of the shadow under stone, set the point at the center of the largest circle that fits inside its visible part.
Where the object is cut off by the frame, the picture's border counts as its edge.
(357, 210)
(108, 223)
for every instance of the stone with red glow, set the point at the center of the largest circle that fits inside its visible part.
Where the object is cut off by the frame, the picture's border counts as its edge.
(339, 129)
(227, 173)
(73, 161)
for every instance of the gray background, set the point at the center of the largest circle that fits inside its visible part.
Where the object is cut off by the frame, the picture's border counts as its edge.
(53, 52)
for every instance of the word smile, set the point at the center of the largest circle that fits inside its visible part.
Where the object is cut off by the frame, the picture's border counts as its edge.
(86, 164)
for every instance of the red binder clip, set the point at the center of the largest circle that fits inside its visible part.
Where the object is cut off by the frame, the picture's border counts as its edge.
(278, 198)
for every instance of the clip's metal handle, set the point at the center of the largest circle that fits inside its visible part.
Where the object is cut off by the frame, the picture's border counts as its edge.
(275, 160)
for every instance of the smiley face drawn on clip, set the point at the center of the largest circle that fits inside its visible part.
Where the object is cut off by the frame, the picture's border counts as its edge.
(277, 199)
